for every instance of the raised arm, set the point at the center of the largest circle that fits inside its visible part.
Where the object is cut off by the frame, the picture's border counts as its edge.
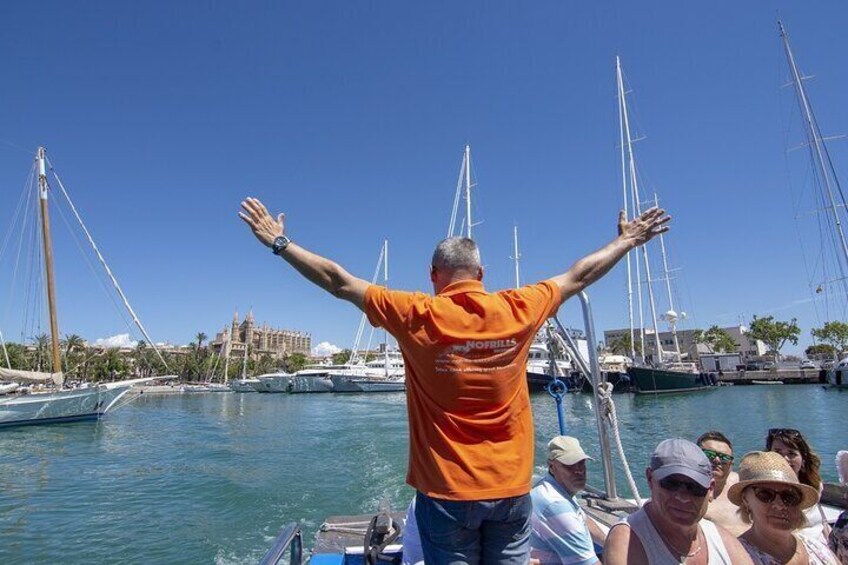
(325, 273)
(595, 265)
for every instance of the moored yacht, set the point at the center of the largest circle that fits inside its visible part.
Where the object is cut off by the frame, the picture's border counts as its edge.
(272, 382)
(243, 385)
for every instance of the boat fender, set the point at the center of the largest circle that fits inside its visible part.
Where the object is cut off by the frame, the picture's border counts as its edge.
(382, 532)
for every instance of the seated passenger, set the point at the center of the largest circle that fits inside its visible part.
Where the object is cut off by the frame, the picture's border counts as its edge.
(670, 528)
(772, 499)
(838, 539)
(719, 451)
(805, 463)
(560, 530)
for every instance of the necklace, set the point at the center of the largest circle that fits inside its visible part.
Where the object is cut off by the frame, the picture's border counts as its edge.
(682, 555)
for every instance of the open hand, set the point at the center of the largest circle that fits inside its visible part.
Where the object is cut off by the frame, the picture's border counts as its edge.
(263, 224)
(642, 229)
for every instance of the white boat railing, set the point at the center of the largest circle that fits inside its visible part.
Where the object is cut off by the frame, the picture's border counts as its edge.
(592, 369)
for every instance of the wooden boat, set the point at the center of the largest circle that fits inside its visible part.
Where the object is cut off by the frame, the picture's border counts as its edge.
(51, 402)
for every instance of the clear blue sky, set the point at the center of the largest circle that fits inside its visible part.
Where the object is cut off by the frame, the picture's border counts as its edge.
(352, 117)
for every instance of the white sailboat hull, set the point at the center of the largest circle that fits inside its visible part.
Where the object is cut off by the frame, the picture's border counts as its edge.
(272, 383)
(311, 383)
(61, 406)
(243, 385)
(348, 383)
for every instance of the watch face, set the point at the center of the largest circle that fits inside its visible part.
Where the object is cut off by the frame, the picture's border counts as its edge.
(280, 243)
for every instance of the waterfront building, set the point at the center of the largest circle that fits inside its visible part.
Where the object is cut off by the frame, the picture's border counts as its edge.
(247, 338)
(745, 348)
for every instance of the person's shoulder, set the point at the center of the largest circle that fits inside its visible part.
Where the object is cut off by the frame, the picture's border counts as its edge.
(735, 550)
(546, 290)
(622, 547)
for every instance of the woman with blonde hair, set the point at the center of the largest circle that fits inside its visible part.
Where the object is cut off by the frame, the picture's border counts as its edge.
(772, 499)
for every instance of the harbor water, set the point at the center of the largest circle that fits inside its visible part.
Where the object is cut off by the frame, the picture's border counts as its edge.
(210, 478)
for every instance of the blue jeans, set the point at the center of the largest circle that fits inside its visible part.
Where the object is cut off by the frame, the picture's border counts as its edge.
(455, 532)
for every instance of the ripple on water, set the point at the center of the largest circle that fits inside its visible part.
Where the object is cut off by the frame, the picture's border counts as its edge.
(212, 478)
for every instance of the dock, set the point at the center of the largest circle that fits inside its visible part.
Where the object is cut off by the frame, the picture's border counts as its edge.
(786, 376)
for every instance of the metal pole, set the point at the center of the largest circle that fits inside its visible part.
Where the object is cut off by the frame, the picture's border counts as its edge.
(468, 188)
(48, 262)
(603, 437)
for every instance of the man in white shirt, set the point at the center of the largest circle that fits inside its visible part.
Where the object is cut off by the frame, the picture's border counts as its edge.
(561, 532)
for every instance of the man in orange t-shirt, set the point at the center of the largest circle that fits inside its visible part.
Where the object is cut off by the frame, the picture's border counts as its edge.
(465, 351)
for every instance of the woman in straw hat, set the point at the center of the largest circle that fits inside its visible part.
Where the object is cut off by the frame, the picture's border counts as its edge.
(772, 499)
(794, 448)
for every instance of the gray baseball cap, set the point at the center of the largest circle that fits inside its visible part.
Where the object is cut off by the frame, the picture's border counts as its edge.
(681, 457)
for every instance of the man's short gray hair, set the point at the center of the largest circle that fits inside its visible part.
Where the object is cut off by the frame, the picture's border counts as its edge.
(456, 254)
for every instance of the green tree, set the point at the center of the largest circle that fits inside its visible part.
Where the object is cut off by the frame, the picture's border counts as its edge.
(265, 364)
(717, 339)
(200, 337)
(295, 362)
(621, 346)
(108, 365)
(342, 357)
(74, 350)
(821, 350)
(42, 353)
(774, 333)
(17, 356)
(833, 333)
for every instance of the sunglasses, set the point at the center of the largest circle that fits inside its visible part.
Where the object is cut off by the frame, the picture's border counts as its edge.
(723, 457)
(784, 432)
(790, 497)
(674, 485)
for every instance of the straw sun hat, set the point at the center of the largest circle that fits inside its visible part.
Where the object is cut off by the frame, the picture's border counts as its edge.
(759, 467)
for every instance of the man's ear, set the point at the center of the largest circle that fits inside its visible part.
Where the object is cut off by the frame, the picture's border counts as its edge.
(432, 274)
(480, 274)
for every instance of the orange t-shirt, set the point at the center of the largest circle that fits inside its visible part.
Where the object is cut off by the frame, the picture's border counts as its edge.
(465, 350)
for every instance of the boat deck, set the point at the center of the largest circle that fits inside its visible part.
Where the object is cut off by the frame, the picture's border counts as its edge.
(339, 533)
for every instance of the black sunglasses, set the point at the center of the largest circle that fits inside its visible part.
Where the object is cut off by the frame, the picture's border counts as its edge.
(674, 485)
(723, 457)
(783, 432)
(790, 497)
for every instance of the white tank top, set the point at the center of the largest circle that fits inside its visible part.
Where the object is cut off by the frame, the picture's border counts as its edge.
(656, 550)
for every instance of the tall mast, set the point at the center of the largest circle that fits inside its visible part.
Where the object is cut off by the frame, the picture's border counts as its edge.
(637, 211)
(468, 189)
(386, 281)
(227, 347)
(48, 260)
(516, 256)
(621, 109)
(670, 316)
(821, 157)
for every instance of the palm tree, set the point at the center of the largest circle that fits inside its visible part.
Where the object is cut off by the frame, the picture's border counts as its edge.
(42, 349)
(72, 344)
(200, 337)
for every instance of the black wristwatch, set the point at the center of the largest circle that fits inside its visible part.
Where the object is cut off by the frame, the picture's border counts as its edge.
(280, 243)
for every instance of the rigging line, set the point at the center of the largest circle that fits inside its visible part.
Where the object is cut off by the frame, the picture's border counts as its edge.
(108, 270)
(19, 216)
(19, 210)
(98, 276)
(16, 146)
(354, 356)
(456, 199)
(35, 276)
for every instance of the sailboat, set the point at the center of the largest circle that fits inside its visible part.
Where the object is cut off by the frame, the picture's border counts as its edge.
(548, 357)
(832, 274)
(667, 371)
(381, 375)
(50, 402)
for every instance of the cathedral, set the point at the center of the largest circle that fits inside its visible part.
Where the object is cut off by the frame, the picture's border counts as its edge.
(258, 341)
